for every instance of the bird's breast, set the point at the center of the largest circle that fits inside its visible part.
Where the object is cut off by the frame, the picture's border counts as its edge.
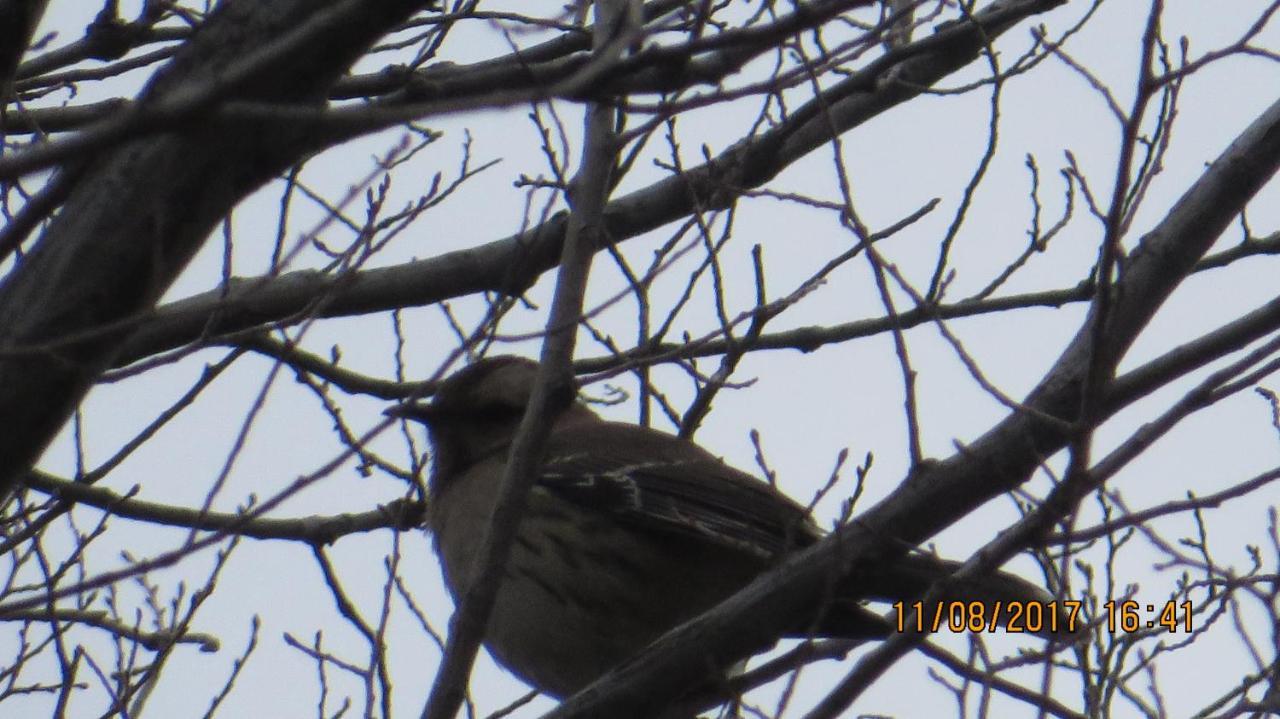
(581, 592)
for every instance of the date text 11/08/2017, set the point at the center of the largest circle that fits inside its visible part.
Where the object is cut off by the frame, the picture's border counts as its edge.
(1029, 616)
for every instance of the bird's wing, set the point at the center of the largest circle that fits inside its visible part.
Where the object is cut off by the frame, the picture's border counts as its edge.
(665, 484)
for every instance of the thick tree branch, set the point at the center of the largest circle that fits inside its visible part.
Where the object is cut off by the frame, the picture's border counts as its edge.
(140, 211)
(18, 21)
(513, 264)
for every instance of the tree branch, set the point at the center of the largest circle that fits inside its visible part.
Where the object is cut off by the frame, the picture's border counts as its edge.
(140, 211)
(400, 514)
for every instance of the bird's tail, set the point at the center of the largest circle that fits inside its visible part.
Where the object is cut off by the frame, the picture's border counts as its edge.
(997, 601)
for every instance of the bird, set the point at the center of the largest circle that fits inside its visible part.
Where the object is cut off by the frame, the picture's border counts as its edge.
(628, 532)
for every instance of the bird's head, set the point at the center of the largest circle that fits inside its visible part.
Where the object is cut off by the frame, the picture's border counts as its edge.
(476, 411)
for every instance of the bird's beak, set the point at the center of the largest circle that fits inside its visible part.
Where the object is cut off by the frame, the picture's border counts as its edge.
(420, 411)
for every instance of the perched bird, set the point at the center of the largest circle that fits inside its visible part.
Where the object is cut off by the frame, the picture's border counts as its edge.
(628, 532)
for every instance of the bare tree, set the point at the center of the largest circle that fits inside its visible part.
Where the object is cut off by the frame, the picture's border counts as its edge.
(819, 199)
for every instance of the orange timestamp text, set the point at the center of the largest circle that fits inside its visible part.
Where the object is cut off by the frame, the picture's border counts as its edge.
(1131, 616)
(978, 616)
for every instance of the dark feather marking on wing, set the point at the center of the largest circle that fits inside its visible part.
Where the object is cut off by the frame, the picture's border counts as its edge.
(537, 578)
(657, 482)
(564, 550)
(528, 546)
